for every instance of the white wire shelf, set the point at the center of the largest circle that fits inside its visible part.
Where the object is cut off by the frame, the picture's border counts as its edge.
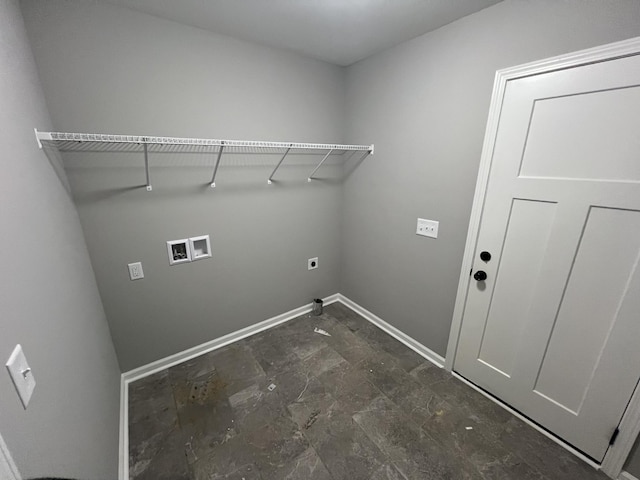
(96, 142)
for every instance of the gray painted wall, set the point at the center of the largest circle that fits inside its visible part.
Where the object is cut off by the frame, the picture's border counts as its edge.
(424, 104)
(113, 70)
(50, 303)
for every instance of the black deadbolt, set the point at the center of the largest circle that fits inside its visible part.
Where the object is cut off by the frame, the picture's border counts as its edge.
(480, 275)
(485, 256)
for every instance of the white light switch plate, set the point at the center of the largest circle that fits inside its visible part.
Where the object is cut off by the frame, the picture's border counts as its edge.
(21, 375)
(427, 228)
(135, 271)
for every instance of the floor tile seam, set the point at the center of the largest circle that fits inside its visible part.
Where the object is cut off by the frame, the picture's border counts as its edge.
(422, 366)
(177, 409)
(290, 369)
(421, 385)
(368, 340)
(467, 410)
(377, 345)
(387, 458)
(164, 442)
(349, 348)
(487, 435)
(361, 362)
(386, 455)
(446, 449)
(343, 394)
(321, 460)
(394, 360)
(522, 459)
(530, 465)
(153, 415)
(436, 381)
(256, 356)
(402, 411)
(446, 402)
(307, 371)
(162, 436)
(406, 417)
(327, 464)
(422, 431)
(395, 403)
(374, 386)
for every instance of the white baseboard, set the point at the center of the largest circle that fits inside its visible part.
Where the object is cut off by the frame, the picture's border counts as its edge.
(175, 359)
(123, 457)
(627, 476)
(393, 331)
(193, 352)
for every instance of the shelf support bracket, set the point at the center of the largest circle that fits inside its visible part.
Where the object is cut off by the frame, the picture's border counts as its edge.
(146, 168)
(366, 154)
(38, 138)
(269, 181)
(319, 165)
(215, 168)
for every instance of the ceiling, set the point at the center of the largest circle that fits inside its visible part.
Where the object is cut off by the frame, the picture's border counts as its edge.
(336, 31)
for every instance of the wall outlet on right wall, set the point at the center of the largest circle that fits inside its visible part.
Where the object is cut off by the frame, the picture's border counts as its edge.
(427, 228)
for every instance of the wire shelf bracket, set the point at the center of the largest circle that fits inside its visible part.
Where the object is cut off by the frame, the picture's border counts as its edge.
(215, 168)
(310, 177)
(97, 142)
(146, 168)
(269, 181)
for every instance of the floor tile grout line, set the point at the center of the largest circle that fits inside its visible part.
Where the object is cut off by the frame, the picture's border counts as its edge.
(357, 365)
(475, 468)
(322, 461)
(463, 409)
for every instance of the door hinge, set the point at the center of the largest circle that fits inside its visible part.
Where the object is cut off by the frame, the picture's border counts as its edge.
(614, 436)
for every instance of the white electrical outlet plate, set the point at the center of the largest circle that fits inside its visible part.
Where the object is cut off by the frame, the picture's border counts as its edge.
(427, 228)
(21, 375)
(312, 263)
(179, 251)
(135, 271)
(200, 247)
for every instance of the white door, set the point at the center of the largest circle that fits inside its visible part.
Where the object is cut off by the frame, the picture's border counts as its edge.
(554, 329)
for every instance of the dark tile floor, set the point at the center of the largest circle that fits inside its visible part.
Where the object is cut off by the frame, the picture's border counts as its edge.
(356, 405)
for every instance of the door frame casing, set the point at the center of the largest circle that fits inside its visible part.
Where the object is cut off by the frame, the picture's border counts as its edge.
(616, 455)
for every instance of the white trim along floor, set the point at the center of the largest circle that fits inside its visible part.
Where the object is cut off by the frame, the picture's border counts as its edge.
(158, 365)
(191, 353)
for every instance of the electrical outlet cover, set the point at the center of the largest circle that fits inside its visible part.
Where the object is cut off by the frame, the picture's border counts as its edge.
(427, 228)
(179, 251)
(135, 271)
(21, 375)
(312, 263)
(200, 247)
